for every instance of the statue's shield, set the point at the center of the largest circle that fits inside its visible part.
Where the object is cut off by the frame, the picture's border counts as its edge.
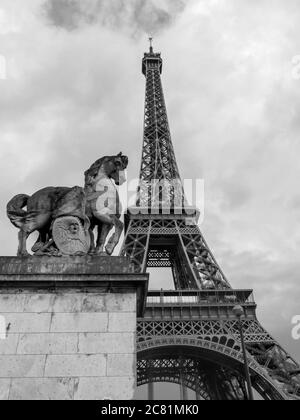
(70, 236)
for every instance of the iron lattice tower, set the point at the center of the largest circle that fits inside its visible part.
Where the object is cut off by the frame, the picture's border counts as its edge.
(190, 336)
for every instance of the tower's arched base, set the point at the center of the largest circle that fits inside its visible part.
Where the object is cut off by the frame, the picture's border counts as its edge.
(211, 375)
(193, 338)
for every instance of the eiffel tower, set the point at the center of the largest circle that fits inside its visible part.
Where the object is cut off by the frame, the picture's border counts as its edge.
(191, 336)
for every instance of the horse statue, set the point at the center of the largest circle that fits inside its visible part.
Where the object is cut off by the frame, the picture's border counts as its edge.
(66, 218)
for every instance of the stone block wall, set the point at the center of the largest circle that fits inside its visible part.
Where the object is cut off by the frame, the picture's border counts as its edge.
(67, 345)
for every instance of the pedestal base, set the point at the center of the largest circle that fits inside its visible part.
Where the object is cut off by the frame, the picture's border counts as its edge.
(68, 328)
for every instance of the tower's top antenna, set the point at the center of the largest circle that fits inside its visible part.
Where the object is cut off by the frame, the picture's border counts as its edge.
(151, 44)
(151, 59)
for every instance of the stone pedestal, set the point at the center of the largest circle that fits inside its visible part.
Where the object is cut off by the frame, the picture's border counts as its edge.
(69, 328)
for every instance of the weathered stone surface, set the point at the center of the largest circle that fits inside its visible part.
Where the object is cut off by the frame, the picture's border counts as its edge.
(64, 265)
(39, 303)
(114, 343)
(117, 302)
(67, 303)
(79, 322)
(4, 389)
(42, 389)
(12, 302)
(22, 366)
(9, 345)
(121, 365)
(94, 302)
(48, 344)
(122, 322)
(105, 388)
(76, 366)
(28, 323)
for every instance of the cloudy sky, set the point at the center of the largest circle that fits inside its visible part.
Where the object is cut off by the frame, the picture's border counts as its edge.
(74, 92)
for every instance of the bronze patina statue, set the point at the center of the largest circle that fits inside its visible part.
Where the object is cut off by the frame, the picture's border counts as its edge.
(66, 217)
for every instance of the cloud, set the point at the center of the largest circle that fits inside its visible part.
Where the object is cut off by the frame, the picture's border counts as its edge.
(137, 16)
(66, 14)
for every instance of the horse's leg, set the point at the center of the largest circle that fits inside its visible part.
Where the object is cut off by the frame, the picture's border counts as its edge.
(22, 250)
(33, 223)
(41, 241)
(114, 240)
(92, 248)
(105, 224)
(38, 244)
(91, 232)
(43, 250)
(102, 236)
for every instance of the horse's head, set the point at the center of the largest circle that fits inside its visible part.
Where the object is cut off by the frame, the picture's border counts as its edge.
(111, 166)
(115, 167)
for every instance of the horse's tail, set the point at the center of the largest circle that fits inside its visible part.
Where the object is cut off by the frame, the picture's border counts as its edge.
(15, 210)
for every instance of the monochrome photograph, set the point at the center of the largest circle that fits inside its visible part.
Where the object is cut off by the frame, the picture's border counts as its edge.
(149, 203)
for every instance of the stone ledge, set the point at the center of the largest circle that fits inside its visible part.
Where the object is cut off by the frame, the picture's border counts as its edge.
(65, 265)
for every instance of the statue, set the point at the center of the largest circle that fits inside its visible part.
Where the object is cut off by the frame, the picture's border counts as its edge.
(66, 217)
